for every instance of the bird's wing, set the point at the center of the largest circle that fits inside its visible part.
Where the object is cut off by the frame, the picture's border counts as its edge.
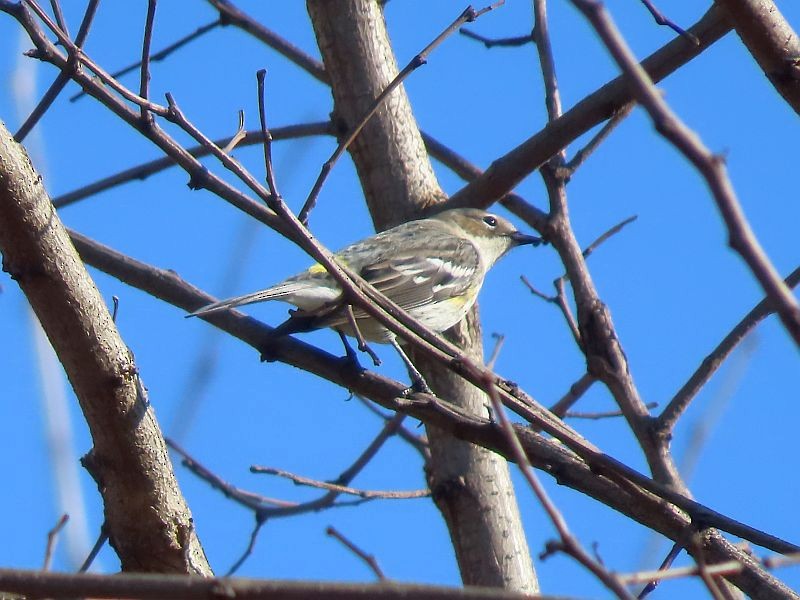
(424, 273)
(430, 268)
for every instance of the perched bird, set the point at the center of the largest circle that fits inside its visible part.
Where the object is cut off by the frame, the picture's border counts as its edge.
(432, 268)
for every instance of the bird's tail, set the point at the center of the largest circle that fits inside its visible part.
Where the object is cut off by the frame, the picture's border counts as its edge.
(260, 296)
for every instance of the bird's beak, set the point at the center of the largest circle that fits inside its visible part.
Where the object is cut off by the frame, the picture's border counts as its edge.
(521, 239)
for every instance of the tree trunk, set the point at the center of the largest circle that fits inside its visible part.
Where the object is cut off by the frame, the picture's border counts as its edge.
(471, 486)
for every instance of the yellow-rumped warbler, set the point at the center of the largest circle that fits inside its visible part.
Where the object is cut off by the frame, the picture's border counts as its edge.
(432, 268)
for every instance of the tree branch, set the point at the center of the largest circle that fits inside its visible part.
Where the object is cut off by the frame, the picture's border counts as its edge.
(148, 522)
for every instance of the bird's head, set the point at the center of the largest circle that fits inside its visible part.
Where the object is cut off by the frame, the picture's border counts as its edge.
(493, 234)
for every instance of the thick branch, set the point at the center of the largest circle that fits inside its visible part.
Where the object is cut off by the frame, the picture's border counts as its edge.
(507, 171)
(591, 474)
(60, 585)
(771, 41)
(146, 517)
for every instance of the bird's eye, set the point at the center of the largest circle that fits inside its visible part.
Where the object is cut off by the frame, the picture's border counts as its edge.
(490, 220)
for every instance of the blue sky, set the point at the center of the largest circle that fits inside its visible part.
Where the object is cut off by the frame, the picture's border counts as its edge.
(673, 286)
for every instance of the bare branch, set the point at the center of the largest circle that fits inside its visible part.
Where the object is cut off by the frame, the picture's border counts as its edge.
(169, 287)
(229, 14)
(161, 54)
(59, 15)
(568, 170)
(251, 544)
(341, 489)
(568, 543)
(576, 390)
(662, 20)
(672, 412)
(102, 538)
(773, 43)
(512, 42)
(597, 416)
(420, 59)
(141, 586)
(418, 442)
(606, 235)
(369, 559)
(52, 536)
(145, 170)
(61, 80)
(710, 166)
(724, 568)
(498, 345)
(145, 513)
(255, 502)
(144, 80)
(507, 171)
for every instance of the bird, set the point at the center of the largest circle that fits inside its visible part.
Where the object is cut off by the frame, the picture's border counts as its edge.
(433, 268)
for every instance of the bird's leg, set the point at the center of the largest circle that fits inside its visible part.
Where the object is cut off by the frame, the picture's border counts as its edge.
(362, 344)
(418, 383)
(349, 354)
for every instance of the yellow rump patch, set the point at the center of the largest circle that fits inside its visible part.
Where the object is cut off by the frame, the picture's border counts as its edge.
(318, 269)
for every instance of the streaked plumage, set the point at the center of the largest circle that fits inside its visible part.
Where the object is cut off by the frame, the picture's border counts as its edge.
(432, 268)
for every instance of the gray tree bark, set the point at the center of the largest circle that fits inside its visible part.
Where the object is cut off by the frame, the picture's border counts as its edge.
(146, 518)
(471, 486)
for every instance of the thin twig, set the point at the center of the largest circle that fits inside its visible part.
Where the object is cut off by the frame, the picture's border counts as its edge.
(61, 79)
(673, 553)
(576, 390)
(730, 567)
(499, 340)
(669, 417)
(101, 87)
(368, 559)
(102, 538)
(115, 311)
(248, 499)
(541, 37)
(392, 427)
(145, 170)
(144, 81)
(266, 135)
(175, 115)
(420, 59)
(568, 170)
(662, 20)
(52, 536)
(597, 416)
(341, 489)
(509, 42)
(77, 56)
(229, 14)
(161, 54)
(559, 300)
(419, 443)
(506, 172)
(251, 544)
(236, 137)
(609, 233)
(59, 15)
